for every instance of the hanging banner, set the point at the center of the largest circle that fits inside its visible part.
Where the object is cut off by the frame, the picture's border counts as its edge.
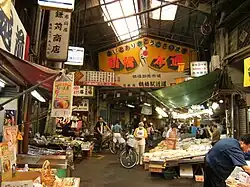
(10, 136)
(84, 91)
(5, 157)
(62, 96)
(58, 35)
(247, 72)
(94, 78)
(12, 31)
(147, 63)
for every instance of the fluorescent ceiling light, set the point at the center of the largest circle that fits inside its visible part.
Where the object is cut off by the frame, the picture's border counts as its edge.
(2, 83)
(38, 96)
(147, 104)
(161, 112)
(168, 12)
(130, 106)
(124, 28)
(215, 106)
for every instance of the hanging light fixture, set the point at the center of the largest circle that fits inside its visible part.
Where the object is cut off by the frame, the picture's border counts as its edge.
(38, 96)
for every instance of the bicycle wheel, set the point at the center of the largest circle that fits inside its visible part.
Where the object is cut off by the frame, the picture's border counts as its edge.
(113, 148)
(128, 159)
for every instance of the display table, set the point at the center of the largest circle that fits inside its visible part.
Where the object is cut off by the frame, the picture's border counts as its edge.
(34, 161)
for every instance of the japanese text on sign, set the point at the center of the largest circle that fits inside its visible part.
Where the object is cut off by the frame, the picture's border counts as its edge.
(58, 35)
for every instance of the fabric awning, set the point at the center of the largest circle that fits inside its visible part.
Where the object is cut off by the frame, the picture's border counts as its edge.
(188, 93)
(31, 73)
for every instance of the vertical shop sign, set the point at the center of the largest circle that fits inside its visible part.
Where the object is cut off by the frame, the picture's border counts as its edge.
(12, 33)
(62, 97)
(58, 35)
(247, 72)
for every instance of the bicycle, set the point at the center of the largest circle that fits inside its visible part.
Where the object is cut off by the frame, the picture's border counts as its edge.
(128, 157)
(115, 147)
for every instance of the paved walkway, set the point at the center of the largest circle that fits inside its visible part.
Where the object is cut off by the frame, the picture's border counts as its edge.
(105, 171)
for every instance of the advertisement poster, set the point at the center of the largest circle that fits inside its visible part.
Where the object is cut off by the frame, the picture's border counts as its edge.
(58, 35)
(147, 62)
(5, 156)
(10, 118)
(247, 72)
(62, 97)
(12, 32)
(10, 136)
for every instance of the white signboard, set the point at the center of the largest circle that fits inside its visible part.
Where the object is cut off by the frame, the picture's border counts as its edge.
(63, 4)
(58, 35)
(75, 56)
(198, 68)
(18, 184)
(84, 91)
(82, 106)
(13, 34)
(95, 78)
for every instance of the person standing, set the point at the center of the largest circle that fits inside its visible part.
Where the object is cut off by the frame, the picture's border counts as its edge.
(215, 134)
(150, 131)
(99, 132)
(140, 137)
(221, 160)
(172, 137)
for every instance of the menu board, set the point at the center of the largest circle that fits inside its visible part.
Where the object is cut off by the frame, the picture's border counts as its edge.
(95, 78)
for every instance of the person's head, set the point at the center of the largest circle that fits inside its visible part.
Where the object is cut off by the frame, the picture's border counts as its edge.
(100, 119)
(214, 126)
(174, 127)
(117, 122)
(202, 126)
(245, 143)
(141, 125)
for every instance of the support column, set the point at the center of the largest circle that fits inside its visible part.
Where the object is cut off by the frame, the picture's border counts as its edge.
(232, 115)
(27, 122)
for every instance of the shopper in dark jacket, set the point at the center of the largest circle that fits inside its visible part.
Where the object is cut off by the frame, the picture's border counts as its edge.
(223, 158)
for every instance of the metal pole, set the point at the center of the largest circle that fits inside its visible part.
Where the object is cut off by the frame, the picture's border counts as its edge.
(232, 115)
(27, 91)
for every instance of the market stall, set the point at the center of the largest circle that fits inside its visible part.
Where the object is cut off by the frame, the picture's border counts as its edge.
(187, 158)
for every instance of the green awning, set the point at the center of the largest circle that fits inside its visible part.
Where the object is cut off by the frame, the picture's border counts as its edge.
(188, 93)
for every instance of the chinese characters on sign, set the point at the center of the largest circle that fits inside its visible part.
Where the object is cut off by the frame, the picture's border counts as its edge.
(62, 97)
(94, 78)
(81, 105)
(247, 72)
(142, 80)
(12, 33)
(83, 91)
(58, 35)
(198, 69)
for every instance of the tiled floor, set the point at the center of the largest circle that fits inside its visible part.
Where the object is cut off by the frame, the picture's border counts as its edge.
(105, 171)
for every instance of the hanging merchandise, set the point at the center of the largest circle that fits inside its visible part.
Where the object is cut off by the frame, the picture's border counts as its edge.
(247, 72)
(62, 96)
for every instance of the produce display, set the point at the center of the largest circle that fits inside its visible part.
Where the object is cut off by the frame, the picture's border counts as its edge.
(186, 148)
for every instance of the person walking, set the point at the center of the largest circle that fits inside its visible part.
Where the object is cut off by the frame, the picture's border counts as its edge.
(171, 138)
(221, 160)
(140, 135)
